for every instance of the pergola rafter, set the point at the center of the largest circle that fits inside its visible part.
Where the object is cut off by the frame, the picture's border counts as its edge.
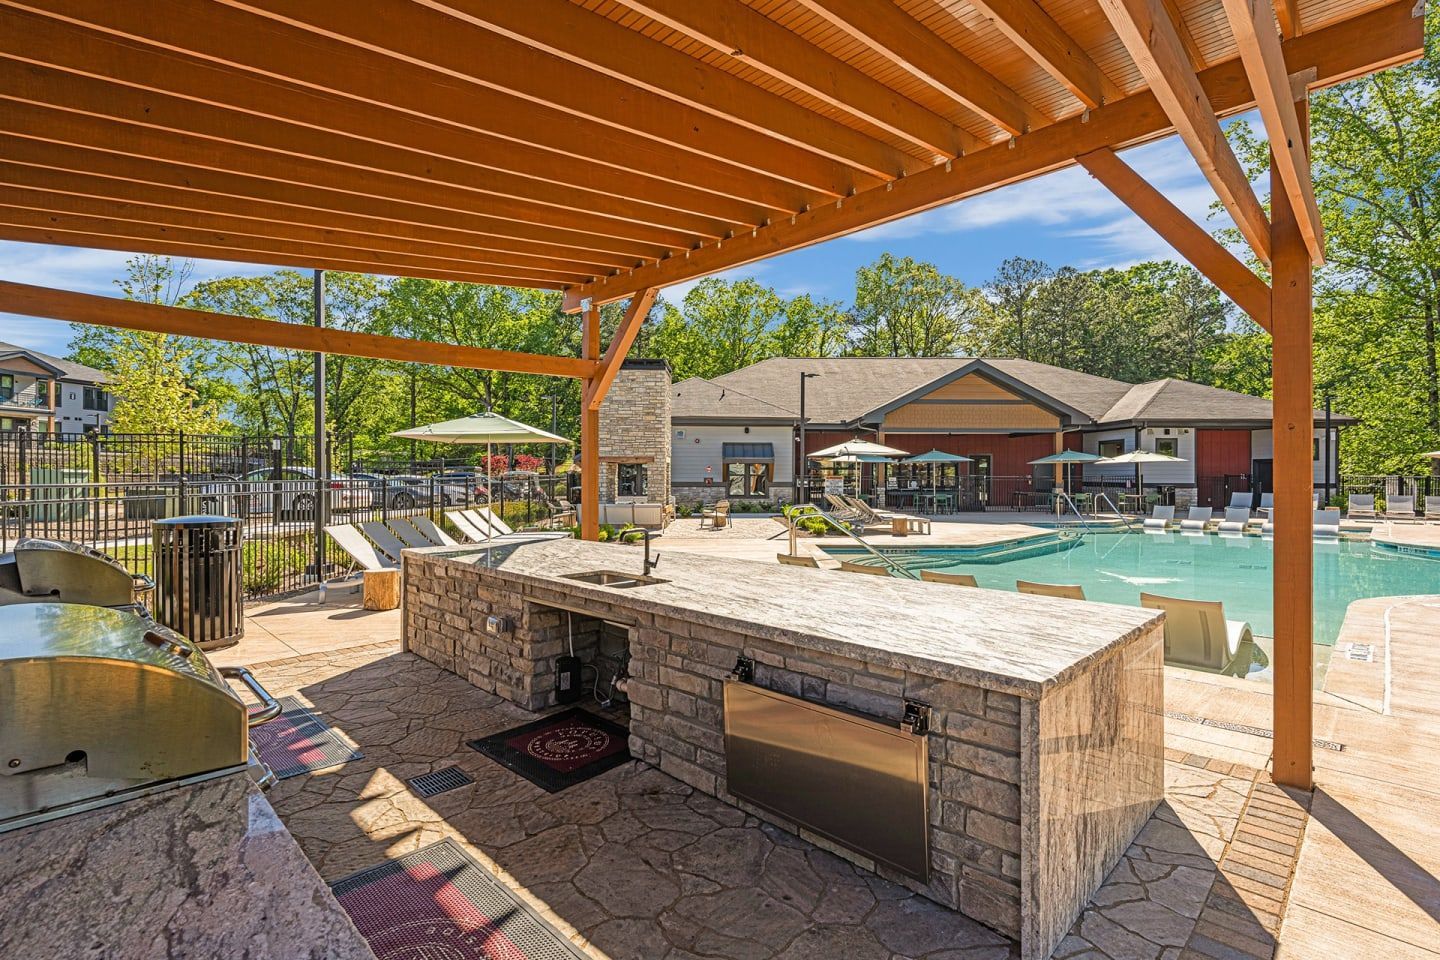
(610, 148)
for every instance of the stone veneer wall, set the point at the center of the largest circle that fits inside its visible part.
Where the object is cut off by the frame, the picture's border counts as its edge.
(677, 721)
(635, 427)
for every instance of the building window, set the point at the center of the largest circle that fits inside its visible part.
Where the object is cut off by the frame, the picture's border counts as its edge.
(748, 479)
(1111, 448)
(1315, 449)
(630, 479)
(7, 386)
(96, 399)
(1168, 446)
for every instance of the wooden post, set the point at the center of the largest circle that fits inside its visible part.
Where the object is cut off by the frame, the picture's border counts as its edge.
(1292, 315)
(589, 430)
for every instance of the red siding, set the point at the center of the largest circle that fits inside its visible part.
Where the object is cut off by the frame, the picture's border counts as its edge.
(1220, 453)
(1010, 456)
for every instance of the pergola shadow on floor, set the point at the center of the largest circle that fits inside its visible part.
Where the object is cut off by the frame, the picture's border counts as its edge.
(610, 150)
(635, 865)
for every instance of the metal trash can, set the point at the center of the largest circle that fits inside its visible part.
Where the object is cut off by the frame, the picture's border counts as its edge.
(198, 587)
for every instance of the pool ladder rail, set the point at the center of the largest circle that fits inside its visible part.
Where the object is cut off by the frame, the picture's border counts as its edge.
(805, 510)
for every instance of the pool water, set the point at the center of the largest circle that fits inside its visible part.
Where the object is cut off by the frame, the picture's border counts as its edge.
(1116, 568)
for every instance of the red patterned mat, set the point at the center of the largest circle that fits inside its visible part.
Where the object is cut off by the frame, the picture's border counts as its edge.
(439, 903)
(559, 751)
(298, 742)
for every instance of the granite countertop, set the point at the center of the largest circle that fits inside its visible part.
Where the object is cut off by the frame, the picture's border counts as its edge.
(990, 638)
(196, 872)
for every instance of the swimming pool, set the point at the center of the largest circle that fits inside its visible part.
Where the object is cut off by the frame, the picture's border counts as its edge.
(1115, 568)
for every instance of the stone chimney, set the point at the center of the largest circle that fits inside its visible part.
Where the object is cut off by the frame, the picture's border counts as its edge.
(635, 434)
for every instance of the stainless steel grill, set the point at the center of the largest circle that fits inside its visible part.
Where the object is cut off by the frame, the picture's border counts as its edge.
(47, 571)
(98, 705)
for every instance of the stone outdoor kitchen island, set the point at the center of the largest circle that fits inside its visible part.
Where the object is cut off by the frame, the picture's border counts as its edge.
(1037, 724)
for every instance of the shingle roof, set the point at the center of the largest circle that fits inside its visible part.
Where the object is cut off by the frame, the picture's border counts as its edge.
(70, 370)
(849, 389)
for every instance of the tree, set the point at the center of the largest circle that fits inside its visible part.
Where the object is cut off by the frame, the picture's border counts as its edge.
(1012, 293)
(907, 308)
(152, 391)
(812, 328)
(722, 325)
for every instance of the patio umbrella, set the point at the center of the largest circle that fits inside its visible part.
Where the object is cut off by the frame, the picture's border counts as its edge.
(1139, 458)
(933, 457)
(486, 428)
(858, 447)
(1067, 457)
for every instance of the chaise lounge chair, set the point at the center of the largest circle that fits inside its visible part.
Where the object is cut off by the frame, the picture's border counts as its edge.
(1432, 509)
(1160, 519)
(1327, 523)
(501, 528)
(1236, 520)
(1400, 508)
(851, 567)
(1197, 521)
(1267, 504)
(431, 530)
(954, 579)
(1360, 506)
(409, 534)
(362, 553)
(799, 560)
(1242, 499)
(466, 526)
(888, 519)
(1198, 636)
(1065, 591)
(383, 538)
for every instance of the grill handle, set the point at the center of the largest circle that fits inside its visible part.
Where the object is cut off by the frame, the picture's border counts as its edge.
(270, 708)
(143, 584)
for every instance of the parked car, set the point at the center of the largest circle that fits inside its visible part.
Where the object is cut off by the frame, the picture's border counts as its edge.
(296, 496)
(456, 482)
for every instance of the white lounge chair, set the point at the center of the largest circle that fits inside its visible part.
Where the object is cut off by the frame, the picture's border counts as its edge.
(1400, 508)
(465, 525)
(1361, 506)
(501, 528)
(1198, 636)
(1161, 517)
(383, 538)
(1432, 509)
(1198, 520)
(360, 550)
(1236, 520)
(431, 530)
(410, 534)
(479, 519)
(1327, 523)
(1241, 498)
(1267, 503)
(1065, 591)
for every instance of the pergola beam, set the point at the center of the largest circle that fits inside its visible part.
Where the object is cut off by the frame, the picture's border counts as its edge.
(1253, 24)
(1150, 37)
(1191, 241)
(592, 42)
(619, 346)
(33, 301)
(590, 428)
(425, 37)
(1025, 24)
(1383, 37)
(368, 87)
(913, 46)
(759, 42)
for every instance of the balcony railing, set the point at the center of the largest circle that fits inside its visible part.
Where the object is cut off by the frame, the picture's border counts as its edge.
(27, 401)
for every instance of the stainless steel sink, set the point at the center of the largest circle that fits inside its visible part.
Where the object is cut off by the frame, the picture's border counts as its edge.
(613, 578)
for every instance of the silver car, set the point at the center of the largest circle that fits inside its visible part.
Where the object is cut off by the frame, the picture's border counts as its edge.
(294, 492)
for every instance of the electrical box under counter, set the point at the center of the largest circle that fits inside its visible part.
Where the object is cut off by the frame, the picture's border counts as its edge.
(1040, 760)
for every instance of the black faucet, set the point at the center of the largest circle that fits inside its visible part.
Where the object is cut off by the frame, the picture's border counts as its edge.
(647, 564)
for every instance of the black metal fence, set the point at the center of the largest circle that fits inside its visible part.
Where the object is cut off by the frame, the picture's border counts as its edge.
(106, 490)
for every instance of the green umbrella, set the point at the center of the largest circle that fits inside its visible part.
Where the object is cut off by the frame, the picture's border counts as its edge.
(1067, 457)
(933, 457)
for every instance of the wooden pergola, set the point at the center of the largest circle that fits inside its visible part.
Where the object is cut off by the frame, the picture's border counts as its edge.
(607, 149)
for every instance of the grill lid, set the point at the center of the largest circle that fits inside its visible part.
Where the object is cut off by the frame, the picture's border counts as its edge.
(71, 573)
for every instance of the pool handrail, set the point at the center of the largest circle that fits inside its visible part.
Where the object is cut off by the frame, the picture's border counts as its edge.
(805, 510)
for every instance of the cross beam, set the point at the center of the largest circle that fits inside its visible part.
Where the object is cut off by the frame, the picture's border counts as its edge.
(33, 301)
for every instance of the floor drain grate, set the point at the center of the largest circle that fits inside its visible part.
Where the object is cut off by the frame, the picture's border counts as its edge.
(1245, 728)
(1363, 652)
(430, 784)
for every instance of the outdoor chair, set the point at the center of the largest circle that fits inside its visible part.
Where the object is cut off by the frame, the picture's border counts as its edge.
(431, 531)
(409, 534)
(1065, 591)
(497, 523)
(1267, 504)
(1432, 509)
(955, 579)
(383, 538)
(1361, 506)
(1241, 498)
(1198, 520)
(1267, 529)
(1236, 520)
(840, 509)
(851, 567)
(871, 517)
(484, 521)
(1160, 519)
(362, 554)
(718, 515)
(466, 526)
(799, 560)
(1400, 508)
(1327, 523)
(1198, 636)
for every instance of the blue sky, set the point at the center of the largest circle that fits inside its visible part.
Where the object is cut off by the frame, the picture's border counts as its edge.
(1063, 218)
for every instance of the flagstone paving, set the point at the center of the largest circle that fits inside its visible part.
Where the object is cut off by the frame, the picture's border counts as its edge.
(634, 864)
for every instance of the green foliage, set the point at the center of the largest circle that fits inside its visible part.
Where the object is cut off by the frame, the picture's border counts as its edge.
(905, 308)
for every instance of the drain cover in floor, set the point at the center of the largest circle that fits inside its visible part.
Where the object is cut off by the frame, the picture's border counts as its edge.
(430, 784)
(439, 902)
(298, 742)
